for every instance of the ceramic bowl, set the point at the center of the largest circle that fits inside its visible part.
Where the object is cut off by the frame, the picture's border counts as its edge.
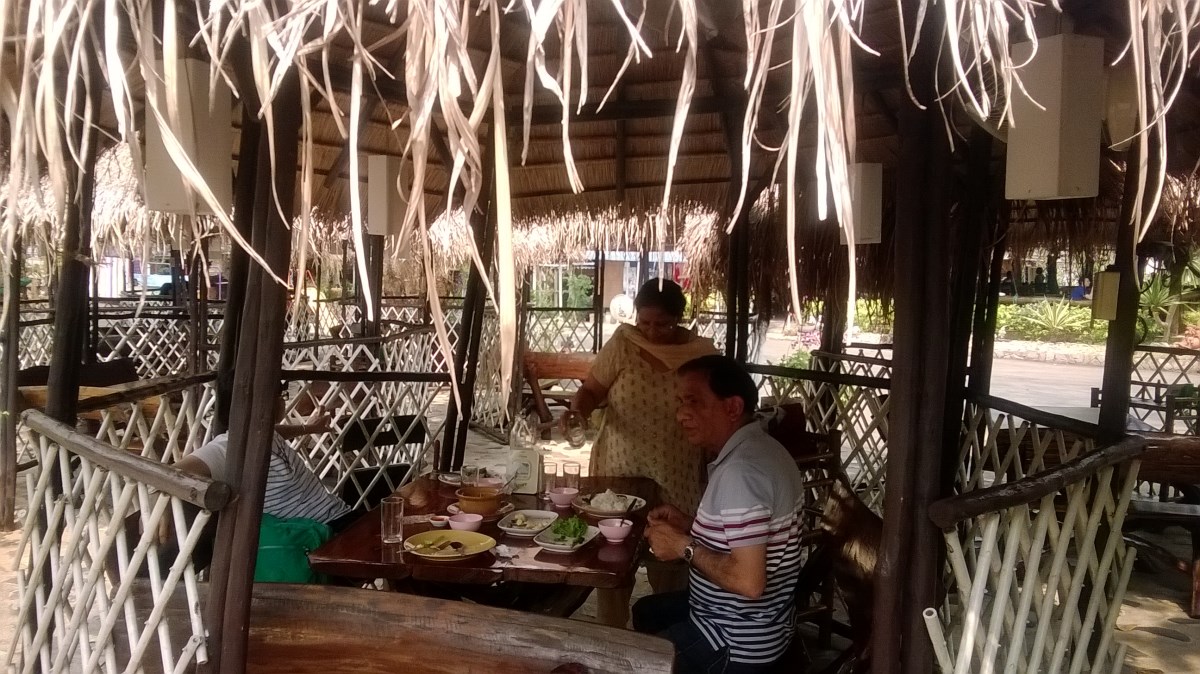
(466, 522)
(478, 500)
(562, 496)
(615, 530)
(438, 521)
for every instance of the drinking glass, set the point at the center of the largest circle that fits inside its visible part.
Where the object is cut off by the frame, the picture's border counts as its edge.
(392, 519)
(576, 431)
(549, 475)
(497, 476)
(470, 475)
(571, 474)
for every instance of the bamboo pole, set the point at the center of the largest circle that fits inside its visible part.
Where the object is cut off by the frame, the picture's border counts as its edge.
(910, 564)
(255, 386)
(938, 637)
(1118, 352)
(11, 339)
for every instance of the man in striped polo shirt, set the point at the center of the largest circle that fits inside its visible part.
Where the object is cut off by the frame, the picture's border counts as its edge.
(743, 546)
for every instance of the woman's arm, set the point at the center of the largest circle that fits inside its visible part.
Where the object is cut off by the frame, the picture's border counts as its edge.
(590, 396)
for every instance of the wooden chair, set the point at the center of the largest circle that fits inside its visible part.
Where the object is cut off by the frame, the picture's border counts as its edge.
(553, 368)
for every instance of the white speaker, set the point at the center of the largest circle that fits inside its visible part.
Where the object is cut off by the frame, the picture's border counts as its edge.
(206, 134)
(1054, 153)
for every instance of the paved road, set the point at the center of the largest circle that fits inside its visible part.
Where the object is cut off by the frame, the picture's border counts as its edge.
(1045, 384)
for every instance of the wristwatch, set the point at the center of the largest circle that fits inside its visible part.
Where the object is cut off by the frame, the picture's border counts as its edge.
(689, 551)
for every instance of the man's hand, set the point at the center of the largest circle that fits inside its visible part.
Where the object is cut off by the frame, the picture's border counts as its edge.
(671, 516)
(667, 542)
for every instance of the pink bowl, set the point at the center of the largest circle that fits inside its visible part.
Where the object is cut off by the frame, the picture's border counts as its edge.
(466, 522)
(562, 496)
(615, 530)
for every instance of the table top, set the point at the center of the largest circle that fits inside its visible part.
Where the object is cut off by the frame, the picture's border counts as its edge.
(358, 552)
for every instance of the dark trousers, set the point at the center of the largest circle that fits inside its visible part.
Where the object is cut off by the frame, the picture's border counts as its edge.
(667, 615)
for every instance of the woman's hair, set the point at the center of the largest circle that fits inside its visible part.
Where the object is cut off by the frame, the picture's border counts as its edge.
(669, 298)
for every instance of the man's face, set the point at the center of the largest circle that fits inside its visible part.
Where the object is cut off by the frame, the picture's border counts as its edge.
(707, 421)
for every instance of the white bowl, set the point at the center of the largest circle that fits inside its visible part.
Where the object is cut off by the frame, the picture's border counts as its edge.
(615, 530)
(466, 522)
(438, 521)
(562, 496)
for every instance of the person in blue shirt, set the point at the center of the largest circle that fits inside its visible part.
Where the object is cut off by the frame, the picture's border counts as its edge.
(1083, 291)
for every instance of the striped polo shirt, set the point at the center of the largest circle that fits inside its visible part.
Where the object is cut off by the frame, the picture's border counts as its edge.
(292, 489)
(755, 496)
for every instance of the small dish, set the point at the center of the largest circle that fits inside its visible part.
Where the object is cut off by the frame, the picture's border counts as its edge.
(453, 479)
(615, 530)
(548, 542)
(536, 520)
(438, 521)
(466, 522)
(562, 496)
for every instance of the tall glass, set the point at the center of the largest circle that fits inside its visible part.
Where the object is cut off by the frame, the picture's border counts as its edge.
(549, 475)
(576, 431)
(470, 475)
(391, 511)
(570, 476)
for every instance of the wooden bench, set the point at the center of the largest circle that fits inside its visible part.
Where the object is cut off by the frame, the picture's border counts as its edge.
(1183, 514)
(553, 368)
(309, 629)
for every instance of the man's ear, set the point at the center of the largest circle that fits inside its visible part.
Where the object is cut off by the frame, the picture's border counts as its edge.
(734, 407)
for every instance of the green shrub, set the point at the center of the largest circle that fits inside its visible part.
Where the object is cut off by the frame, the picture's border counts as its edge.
(799, 359)
(1050, 322)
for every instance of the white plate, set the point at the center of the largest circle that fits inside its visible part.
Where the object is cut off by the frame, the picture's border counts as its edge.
(544, 541)
(505, 509)
(580, 503)
(450, 478)
(544, 518)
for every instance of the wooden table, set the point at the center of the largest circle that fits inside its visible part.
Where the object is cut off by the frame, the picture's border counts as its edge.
(359, 553)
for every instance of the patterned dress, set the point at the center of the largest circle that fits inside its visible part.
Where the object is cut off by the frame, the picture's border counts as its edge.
(639, 436)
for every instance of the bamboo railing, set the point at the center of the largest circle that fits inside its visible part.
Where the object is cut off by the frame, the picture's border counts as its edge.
(1037, 566)
(849, 406)
(91, 540)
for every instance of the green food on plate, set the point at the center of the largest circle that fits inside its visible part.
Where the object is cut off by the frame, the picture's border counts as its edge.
(571, 530)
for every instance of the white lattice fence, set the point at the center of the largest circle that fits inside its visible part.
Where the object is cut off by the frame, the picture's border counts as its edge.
(863, 366)
(853, 408)
(36, 341)
(162, 426)
(94, 579)
(1037, 567)
(159, 344)
(1163, 388)
(377, 421)
(560, 330)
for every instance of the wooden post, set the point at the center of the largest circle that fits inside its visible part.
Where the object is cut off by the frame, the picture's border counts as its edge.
(833, 310)
(975, 221)
(11, 338)
(255, 387)
(374, 244)
(466, 353)
(1118, 352)
(598, 301)
(909, 566)
(983, 345)
(93, 347)
(239, 261)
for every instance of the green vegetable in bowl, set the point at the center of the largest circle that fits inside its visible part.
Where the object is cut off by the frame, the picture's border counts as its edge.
(571, 530)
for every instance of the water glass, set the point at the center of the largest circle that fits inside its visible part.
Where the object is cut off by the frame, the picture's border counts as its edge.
(392, 519)
(576, 431)
(570, 477)
(549, 475)
(470, 475)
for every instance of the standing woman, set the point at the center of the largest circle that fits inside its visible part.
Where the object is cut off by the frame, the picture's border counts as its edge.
(635, 375)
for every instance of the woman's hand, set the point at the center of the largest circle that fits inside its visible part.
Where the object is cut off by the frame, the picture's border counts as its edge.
(564, 421)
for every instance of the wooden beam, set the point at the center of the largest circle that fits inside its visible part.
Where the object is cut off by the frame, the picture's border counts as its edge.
(1122, 340)
(909, 567)
(11, 339)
